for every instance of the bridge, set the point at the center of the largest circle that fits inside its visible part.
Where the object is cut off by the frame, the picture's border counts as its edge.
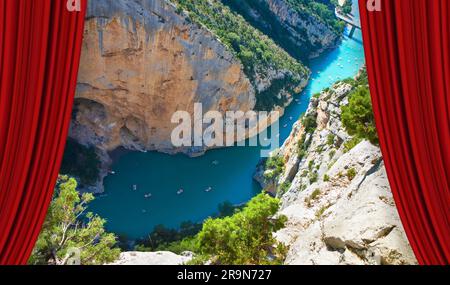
(347, 18)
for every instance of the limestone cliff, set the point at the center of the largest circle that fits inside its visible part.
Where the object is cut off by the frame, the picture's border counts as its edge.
(144, 60)
(339, 206)
(303, 34)
(141, 62)
(307, 31)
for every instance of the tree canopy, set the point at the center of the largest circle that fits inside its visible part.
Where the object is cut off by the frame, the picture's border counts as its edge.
(246, 237)
(357, 116)
(70, 234)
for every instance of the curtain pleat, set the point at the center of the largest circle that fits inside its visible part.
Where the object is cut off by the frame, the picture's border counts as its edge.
(40, 43)
(407, 46)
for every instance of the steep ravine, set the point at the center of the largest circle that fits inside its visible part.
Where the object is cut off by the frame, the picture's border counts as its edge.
(339, 206)
(144, 60)
(141, 62)
(303, 34)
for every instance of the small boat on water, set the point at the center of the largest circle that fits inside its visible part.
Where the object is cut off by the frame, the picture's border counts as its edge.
(134, 187)
(148, 195)
(209, 189)
(291, 118)
(179, 192)
(112, 172)
(285, 126)
(215, 162)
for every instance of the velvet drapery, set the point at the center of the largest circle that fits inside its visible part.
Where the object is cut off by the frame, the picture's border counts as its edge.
(407, 45)
(40, 45)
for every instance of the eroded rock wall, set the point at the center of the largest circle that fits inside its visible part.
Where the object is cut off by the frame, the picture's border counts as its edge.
(141, 62)
(339, 204)
(305, 30)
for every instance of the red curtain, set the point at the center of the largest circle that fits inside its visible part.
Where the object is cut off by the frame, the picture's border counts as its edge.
(40, 44)
(407, 47)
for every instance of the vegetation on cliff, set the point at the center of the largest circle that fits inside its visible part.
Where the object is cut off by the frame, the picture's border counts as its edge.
(246, 237)
(69, 234)
(294, 39)
(357, 117)
(321, 9)
(275, 167)
(257, 52)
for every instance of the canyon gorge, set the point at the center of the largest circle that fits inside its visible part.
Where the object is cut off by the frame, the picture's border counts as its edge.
(143, 60)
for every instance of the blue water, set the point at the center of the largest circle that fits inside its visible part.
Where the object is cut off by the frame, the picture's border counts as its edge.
(128, 213)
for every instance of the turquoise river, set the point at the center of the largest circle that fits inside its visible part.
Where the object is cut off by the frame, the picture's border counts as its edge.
(130, 214)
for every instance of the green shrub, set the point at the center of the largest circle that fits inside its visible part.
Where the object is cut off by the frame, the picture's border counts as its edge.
(310, 123)
(332, 153)
(330, 139)
(274, 167)
(349, 145)
(320, 212)
(244, 238)
(301, 154)
(357, 117)
(326, 178)
(313, 177)
(310, 165)
(284, 187)
(315, 194)
(351, 174)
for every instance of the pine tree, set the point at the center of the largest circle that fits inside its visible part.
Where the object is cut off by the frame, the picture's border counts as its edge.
(70, 234)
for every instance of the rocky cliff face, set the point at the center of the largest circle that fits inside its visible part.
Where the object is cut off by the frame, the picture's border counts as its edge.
(306, 30)
(339, 206)
(300, 33)
(141, 62)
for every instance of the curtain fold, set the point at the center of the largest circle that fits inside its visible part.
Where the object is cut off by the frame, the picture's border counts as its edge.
(407, 46)
(40, 45)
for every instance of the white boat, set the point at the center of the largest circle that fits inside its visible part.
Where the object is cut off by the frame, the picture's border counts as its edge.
(179, 192)
(215, 162)
(209, 189)
(134, 187)
(147, 196)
